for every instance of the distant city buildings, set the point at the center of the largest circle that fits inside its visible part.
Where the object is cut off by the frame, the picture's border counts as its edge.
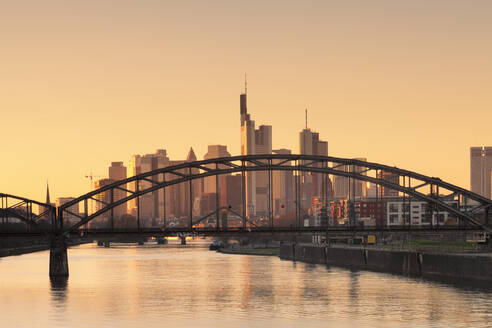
(255, 141)
(390, 177)
(150, 204)
(214, 151)
(322, 201)
(117, 171)
(73, 211)
(346, 187)
(313, 185)
(480, 170)
(104, 197)
(282, 188)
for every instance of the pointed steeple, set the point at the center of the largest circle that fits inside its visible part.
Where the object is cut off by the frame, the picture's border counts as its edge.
(47, 193)
(191, 156)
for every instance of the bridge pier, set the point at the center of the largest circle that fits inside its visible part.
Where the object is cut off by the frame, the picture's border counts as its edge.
(58, 257)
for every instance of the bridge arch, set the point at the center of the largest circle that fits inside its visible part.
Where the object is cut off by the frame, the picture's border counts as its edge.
(22, 208)
(367, 171)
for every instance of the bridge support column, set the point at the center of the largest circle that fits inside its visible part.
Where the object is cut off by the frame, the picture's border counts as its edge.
(58, 257)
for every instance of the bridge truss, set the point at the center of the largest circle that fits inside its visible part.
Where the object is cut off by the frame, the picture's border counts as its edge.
(434, 191)
(19, 208)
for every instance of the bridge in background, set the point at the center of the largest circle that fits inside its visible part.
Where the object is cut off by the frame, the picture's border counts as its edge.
(59, 224)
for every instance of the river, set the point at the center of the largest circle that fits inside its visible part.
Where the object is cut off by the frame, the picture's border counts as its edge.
(171, 286)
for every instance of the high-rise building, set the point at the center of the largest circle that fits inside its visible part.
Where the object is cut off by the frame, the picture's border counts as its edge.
(313, 185)
(480, 170)
(72, 215)
(341, 186)
(345, 187)
(151, 205)
(230, 195)
(117, 171)
(178, 196)
(390, 177)
(255, 141)
(283, 188)
(101, 199)
(214, 151)
(359, 185)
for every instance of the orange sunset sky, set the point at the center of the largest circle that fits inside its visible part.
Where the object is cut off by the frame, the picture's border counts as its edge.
(84, 83)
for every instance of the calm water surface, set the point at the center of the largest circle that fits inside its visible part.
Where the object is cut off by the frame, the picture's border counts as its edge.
(170, 286)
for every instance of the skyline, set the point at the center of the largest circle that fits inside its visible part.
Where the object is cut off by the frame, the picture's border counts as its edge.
(101, 90)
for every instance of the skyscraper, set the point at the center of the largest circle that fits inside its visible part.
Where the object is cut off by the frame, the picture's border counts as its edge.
(151, 205)
(117, 171)
(390, 177)
(214, 151)
(70, 216)
(480, 167)
(283, 187)
(313, 184)
(255, 141)
(345, 187)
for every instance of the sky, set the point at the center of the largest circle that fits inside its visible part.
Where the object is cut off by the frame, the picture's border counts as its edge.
(84, 83)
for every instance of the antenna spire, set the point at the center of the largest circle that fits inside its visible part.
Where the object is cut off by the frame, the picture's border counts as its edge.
(306, 118)
(245, 84)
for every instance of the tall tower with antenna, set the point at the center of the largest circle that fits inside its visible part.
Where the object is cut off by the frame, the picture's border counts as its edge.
(313, 185)
(254, 141)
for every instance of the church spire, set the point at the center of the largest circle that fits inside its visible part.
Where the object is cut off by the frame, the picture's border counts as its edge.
(47, 193)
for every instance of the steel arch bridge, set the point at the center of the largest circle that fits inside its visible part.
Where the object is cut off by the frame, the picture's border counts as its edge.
(410, 183)
(22, 209)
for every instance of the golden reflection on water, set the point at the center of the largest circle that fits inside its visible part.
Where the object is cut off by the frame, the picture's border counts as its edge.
(130, 286)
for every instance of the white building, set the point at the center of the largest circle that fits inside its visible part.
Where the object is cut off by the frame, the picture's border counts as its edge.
(399, 212)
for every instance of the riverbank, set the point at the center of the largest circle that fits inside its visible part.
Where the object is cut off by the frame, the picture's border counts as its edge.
(477, 267)
(34, 248)
(251, 251)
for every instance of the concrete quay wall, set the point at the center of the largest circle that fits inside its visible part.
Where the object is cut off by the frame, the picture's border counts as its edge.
(440, 266)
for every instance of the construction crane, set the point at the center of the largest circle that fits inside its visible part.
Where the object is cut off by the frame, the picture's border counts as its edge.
(91, 177)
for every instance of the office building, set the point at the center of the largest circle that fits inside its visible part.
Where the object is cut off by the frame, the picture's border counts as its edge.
(347, 187)
(214, 151)
(390, 177)
(152, 204)
(313, 185)
(73, 211)
(283, 188)
(480, 168)
(117, 171)
(255, 141)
